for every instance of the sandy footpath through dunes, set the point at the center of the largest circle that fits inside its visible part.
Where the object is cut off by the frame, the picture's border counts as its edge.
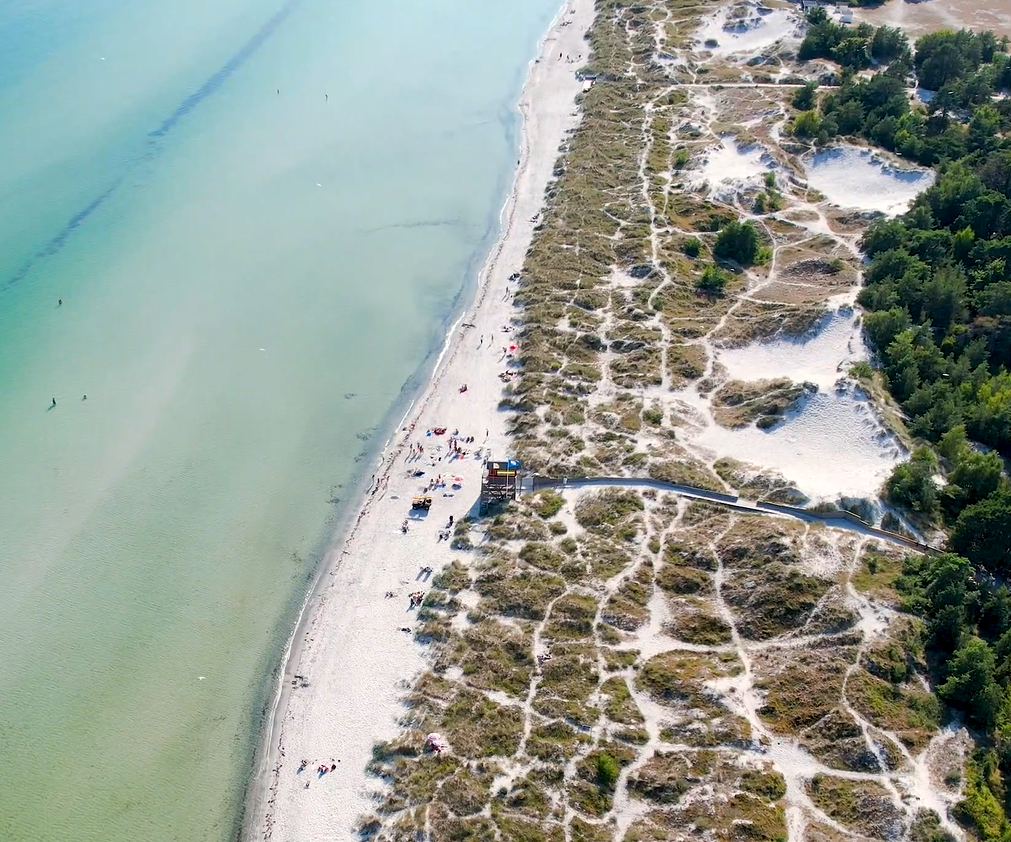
(352, 658)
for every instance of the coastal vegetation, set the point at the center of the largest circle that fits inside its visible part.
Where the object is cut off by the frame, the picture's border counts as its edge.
(939, 310)
(964, 70)
(616, 664)
(628, 672)
(939, 316)
(968, 632)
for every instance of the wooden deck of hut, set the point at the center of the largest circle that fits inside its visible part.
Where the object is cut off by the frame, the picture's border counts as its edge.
(500, 483)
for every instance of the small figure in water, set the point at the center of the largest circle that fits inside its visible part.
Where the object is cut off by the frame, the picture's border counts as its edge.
(54, 403)
(327, 97)
(84, 398)
(59, 303)
(278, 91)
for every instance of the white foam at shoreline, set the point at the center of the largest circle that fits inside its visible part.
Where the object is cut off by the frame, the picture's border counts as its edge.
(858, 178)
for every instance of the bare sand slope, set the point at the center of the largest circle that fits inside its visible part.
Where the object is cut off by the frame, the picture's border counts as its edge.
(350, 646)
(919, 18)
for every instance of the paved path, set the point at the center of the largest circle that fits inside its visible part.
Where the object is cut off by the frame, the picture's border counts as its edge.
(838, 520)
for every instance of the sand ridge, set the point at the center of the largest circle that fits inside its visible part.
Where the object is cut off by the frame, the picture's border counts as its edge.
(351, 656)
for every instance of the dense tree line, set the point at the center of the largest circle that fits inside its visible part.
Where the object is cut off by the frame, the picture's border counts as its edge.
(937, 297)
(938, 301)
(968, 632)
(852, 47)
(937, 288)
(964, 70)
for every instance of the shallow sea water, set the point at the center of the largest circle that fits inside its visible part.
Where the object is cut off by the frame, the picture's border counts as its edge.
(251, 282)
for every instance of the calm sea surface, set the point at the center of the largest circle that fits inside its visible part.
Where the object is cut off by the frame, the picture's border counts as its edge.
(249, 279)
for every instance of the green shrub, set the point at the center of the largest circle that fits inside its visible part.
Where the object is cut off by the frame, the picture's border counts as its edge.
(607, 771)
(862, 370)
(806, 124)
(713, 282)
(548, 503)
(911, 484)
(805, 98)
(738, 241)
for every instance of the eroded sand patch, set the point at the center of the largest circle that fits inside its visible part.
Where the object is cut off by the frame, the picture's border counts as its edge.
(859, 178)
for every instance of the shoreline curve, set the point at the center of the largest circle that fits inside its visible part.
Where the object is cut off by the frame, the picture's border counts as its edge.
(531, 176)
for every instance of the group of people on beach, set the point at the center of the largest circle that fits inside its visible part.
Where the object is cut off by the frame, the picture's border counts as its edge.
(321, 769)
(415, 598)
(457, 447)
(454, 446)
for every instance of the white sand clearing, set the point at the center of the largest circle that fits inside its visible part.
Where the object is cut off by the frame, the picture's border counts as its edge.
(729, 168)
(806, 446)
(839, 419)
(820, 357)
(755, 31)
(350, 649)
(858, 178)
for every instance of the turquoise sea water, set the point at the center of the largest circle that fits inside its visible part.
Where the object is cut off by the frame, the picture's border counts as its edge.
(249, 279)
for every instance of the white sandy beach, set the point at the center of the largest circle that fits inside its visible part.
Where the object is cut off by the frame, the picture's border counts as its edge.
(351, 646)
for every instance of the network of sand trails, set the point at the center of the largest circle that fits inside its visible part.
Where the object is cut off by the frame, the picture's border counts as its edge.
(350, 660)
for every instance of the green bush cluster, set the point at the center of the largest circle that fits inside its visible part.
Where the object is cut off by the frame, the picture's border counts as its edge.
(968, 620)
(738, 241)
(852, 47)
(936, 288)
(940, 311)
(713, 281)
(964, 68)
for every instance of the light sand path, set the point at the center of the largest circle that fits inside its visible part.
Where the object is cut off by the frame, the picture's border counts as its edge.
(349, 646)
